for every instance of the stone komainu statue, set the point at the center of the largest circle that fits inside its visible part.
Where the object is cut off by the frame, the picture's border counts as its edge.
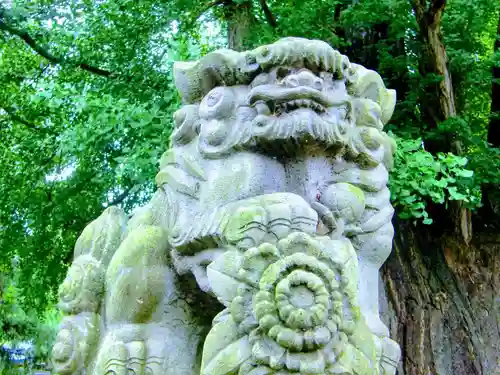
(273, 195)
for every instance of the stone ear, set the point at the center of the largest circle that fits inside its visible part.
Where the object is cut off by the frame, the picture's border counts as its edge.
(194, 79)
(365, 83)
(388, 104)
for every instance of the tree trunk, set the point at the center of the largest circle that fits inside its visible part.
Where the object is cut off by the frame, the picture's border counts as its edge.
(438, 103)
(441, 299)
(442, 303)
(239, 19)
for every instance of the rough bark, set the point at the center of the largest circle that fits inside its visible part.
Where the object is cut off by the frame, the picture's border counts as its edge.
(239, 19)
(441, 302)
(438, 102)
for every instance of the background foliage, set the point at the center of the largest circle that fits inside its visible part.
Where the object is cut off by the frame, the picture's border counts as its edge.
(87, 98)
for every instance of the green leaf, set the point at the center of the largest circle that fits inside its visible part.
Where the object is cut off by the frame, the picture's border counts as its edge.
(464, 173)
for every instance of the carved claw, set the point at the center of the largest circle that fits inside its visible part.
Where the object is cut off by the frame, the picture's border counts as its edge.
(326, 216)
(390, 356)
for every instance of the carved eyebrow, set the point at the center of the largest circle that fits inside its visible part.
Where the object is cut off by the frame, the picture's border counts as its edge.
(318, 73)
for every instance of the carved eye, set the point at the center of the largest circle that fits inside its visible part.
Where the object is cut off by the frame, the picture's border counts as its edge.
(217, 103)
(213, 98)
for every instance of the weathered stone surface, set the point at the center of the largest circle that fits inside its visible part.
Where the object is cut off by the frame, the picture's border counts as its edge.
(76, 343)
(274, 198)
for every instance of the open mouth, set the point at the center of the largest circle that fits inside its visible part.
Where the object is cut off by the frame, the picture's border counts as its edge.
(291, 105)
(278, 108)
(272, 99)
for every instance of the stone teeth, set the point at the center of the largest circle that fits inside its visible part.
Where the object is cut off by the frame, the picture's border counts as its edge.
(300, 103)
(262, 108)
(318, 107)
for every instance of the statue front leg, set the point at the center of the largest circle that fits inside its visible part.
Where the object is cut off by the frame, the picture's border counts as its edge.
(365, 217)
(135, 279)
(148, 325)
(373, 247)
(81, 293)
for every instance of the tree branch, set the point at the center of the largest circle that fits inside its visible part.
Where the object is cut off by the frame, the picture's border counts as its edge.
(269, 15)
(437, 6)
(12, 114)
(205, 8)
(435, 11)
(213, 4)
(28, 39)
(120, 198)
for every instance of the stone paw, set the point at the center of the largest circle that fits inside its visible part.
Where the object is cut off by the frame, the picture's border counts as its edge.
(77, 336)
(390, 354)
(124, 358)
(268, 218)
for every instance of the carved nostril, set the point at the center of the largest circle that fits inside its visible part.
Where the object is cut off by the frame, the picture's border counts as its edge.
(318, 84)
